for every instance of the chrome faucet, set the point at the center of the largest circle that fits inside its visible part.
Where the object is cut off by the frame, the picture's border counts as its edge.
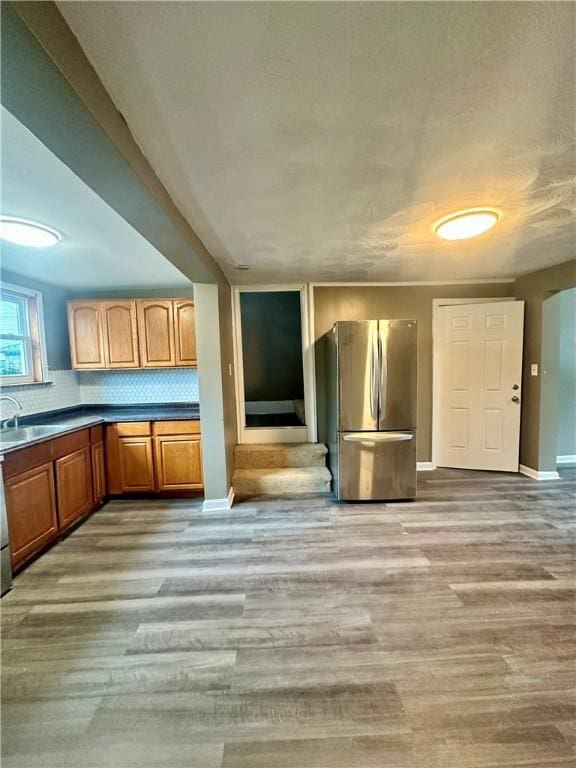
(5, 423)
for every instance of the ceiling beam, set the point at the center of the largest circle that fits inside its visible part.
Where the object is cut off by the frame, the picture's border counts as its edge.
(49, 85)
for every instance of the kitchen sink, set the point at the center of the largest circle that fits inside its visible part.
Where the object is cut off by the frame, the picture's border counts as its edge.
(26, 434)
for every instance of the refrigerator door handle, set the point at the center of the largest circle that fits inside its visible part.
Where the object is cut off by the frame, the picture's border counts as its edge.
(374, 375)
(383, 382)
(378, 437)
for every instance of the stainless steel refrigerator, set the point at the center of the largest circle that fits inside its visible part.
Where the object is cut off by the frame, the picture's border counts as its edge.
(370, 408)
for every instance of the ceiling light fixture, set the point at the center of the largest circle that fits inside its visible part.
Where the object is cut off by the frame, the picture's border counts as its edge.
(465, 224)
(243, 267)
(28, 233)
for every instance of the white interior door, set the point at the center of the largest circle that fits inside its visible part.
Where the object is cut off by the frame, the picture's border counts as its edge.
(479, 365)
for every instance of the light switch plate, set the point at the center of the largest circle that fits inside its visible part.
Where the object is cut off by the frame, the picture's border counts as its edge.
(534, 369)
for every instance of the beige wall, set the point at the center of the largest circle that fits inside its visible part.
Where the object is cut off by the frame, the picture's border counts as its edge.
(539, 393)
(227, 367)
(387, 302)
(566, 437)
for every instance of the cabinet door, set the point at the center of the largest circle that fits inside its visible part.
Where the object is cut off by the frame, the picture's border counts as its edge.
(185, 332)
(178, 460)
(31, 511)
(120, 334)
(74, 486)
(112, 463)
(85, 328)
(136, 465)
(98, 475)
(156, 333)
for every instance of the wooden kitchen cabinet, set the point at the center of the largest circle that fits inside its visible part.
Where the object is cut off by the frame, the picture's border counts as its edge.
(132, 333)
(178, 462)
(156, 333)
(31, 512)
(120, 334)
(74, 486)
(136, 464)
(50, 486)
(146, 457)
(185, 332)
(98, 472)
(86, 331)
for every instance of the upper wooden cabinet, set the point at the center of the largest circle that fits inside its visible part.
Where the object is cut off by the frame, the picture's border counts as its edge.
(132, 333)
(185, 332)
(86, 331)
(120, 334)
(156, 331)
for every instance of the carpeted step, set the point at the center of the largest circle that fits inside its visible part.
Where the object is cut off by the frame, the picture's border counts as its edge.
(274, 481)
(279, 455)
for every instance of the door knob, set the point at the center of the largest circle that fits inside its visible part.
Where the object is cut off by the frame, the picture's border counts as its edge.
(515, 399)
(515, 386)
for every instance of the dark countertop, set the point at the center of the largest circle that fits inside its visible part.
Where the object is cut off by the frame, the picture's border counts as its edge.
(60, 422)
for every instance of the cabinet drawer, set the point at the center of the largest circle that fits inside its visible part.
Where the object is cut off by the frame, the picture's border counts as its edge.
(177, 427)
(26, 458)
(96, 434)
(133, 428)
(62, 446)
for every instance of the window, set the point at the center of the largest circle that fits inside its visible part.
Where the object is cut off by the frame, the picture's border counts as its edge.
(21, 336)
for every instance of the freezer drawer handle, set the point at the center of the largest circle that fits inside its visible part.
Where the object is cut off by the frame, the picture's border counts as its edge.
(381, 437)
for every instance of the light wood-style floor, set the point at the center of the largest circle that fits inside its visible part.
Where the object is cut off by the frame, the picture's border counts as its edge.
(302, 634)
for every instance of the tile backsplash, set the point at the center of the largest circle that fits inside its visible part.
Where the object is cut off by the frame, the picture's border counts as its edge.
(62, 393)
(125, 387)
(71, 388)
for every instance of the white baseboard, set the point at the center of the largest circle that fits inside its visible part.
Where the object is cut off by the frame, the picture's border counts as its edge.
(568, 458)
(219, 505)
(537, 475)
(425, 466)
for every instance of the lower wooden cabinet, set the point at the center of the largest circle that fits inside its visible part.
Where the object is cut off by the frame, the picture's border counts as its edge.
(31, 511)
(149, 457)
(74, 486)
(178, 461)
(54, 484)
(98, 472)
(136, 464)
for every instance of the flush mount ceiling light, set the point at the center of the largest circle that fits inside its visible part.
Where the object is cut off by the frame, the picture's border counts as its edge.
(27, 233)
(465, 224)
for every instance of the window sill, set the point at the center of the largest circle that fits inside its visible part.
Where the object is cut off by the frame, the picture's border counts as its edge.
(26, 384)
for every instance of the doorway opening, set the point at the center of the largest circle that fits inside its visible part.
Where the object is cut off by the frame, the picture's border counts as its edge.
(558, 403)
(566, 417)
(273, 377)
(272, 359)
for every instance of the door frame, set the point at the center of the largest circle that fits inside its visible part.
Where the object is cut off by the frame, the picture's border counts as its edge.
(302, 434)
(436, 378)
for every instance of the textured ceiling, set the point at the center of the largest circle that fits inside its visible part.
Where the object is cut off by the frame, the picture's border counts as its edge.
(321, 141)
(99, 249)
